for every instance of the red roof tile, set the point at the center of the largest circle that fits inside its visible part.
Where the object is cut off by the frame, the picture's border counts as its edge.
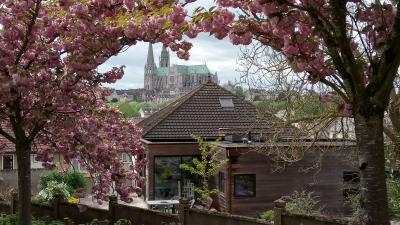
(5, 144)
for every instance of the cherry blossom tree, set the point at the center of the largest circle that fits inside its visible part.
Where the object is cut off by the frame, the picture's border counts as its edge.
(51, 98)
(350, 46)
(49, 51)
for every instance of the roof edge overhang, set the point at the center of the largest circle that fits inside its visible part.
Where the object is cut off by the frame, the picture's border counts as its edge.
(173, 140)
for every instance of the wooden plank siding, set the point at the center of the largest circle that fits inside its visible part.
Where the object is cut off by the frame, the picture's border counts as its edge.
(326, 183)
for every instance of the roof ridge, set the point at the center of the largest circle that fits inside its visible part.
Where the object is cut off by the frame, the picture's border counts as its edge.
(179, 102)
(191, 114)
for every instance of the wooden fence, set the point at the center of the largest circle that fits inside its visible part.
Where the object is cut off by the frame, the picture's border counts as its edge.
(186, 216)
(282, 217)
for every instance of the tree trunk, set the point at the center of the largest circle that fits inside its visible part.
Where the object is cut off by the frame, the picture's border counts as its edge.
(23, 150)
(374, 203)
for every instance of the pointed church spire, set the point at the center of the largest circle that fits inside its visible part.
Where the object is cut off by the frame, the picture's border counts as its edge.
(164, 58)
(150, 69)
(150, 56)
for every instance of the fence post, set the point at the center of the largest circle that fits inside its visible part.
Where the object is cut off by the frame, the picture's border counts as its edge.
(183, 211)
(279, 208)
(57, 202)
(112, 207)
(14, 202)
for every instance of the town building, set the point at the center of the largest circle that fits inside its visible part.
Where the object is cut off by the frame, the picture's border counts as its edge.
(175, 79)
(146, 112)
(9, 165)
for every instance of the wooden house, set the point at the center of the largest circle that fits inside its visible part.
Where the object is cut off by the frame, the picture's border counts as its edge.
(248, 183)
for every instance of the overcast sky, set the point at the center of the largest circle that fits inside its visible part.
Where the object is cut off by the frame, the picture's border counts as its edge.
(219, 55)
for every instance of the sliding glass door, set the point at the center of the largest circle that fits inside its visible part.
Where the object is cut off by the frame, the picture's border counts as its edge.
(169, 178)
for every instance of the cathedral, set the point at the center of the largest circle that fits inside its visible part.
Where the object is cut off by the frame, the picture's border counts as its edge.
(174, 79)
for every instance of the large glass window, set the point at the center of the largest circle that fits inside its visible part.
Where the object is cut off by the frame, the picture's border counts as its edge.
(245, 185)
(169, 179)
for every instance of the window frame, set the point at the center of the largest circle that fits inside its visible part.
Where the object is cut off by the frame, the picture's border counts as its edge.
(226, 103)
(128, 156)
(167, 156)
(254, 182)
(34, 158)
(12, 164)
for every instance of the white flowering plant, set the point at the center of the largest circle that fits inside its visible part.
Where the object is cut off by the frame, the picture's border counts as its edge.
(53, 188)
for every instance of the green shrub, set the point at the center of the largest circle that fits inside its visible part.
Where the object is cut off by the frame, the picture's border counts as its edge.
(53, 189)
(353, 201)
(303, 203)
(105, 222)
(6, 219)
(73, 180)
(12, 220)
(123, 222)
(98, 222)
(268, 215)
(394, 197)
(52, 176)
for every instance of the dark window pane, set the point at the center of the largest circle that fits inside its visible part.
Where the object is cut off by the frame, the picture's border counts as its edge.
(8, 162)
(167, 177)
(171, 182)
(189, 161)
(221, 182)
(245, 185)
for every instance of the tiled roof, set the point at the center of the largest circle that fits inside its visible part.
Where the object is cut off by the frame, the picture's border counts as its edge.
(200, 112)
(162, 71)
(5, 144)
(183, 69)
(8, 146)
(200, 69)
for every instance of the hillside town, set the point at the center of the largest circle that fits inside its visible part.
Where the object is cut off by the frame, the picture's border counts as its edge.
(179, 112)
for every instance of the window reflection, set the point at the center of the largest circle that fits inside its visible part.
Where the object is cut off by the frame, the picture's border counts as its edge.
(169, 179)
(245, 185)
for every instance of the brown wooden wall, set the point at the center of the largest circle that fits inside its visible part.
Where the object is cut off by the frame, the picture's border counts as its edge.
(165, 149)
(326, 183)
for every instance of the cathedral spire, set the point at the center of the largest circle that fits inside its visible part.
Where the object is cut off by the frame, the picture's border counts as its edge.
(150, 57)
(149, 69)
(164, 58)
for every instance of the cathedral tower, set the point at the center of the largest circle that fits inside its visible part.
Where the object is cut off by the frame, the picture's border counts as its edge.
(164, 58)
(149, 69)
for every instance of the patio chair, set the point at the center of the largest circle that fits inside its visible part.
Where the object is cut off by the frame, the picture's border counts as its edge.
(191, 203)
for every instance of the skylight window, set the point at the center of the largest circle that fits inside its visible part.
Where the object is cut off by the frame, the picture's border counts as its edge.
(226, 103)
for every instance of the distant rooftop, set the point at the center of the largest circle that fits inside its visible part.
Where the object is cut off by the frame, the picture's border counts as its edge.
(162, 71)
(183, 69)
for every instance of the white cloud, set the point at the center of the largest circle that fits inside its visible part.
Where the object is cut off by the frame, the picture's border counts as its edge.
(219, 55)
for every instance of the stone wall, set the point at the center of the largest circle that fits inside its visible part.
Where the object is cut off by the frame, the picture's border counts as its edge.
(9, 179)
